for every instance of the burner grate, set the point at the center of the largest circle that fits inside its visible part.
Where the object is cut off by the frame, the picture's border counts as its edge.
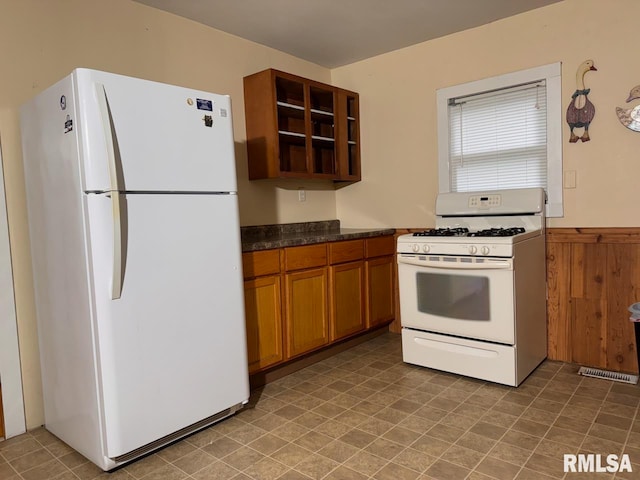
(464, 232)
(498, 232)
(443, 232)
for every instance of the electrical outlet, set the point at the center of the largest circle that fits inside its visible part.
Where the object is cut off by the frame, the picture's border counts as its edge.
(302, 195)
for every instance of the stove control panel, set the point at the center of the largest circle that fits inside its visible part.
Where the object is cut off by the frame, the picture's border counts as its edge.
(407, 246)
(485, 201)
(418, 248)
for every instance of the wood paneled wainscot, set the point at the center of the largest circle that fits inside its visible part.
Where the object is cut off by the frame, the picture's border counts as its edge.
(593, 275)
(301, 299)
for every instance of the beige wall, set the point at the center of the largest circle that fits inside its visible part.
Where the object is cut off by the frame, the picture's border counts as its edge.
(398, 111)
(42, 40)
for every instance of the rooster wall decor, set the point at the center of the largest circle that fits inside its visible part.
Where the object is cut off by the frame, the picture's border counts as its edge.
(630, 118)
(581, 111)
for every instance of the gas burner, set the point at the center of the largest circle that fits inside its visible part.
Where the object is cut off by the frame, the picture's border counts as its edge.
(497, 232)
(443, 232)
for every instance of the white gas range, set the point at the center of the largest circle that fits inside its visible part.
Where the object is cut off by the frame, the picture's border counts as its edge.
(472, 290)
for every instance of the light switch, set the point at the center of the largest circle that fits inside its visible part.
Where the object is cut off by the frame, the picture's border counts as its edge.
(570, 179)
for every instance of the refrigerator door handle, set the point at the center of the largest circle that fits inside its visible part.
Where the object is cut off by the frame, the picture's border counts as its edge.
(117, 271)
(107, 126)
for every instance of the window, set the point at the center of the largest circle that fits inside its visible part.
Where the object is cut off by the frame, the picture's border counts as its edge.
(503, 132)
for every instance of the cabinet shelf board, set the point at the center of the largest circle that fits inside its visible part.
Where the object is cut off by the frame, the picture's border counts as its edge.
(321, 112)
(323, 139)
(290, 105)
(291, 134)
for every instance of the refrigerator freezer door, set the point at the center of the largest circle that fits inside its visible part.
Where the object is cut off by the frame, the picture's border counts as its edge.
(163, 137)
(172, 348)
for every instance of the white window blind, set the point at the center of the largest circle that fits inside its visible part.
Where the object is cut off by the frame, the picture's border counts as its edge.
(503, 132)
(498, 139)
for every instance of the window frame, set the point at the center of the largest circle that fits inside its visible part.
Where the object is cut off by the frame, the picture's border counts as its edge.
(551, 73)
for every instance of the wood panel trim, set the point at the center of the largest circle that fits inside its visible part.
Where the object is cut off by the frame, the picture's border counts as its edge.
(593, 235)
(593, 274)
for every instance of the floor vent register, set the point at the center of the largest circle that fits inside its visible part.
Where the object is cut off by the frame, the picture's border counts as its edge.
(607, 375)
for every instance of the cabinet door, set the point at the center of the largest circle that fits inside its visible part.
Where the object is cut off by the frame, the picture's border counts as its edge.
(346, 294)
(264, 322)
(322, 130)
(348, 138)
(307, 325)
(292, 117)
(379, 288)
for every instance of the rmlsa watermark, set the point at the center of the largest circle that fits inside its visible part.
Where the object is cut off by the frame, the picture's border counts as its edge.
(592, 462)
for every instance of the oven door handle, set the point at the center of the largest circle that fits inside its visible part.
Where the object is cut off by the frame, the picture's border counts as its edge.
(497, 265)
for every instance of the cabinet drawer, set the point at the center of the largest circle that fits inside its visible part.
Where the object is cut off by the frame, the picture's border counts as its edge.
(306, 256)
(379, 246)
(263, 262)
(347, 251)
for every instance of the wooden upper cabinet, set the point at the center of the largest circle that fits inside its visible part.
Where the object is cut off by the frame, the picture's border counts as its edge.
(300, 128)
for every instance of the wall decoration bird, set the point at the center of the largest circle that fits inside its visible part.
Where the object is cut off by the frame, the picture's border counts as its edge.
(630, 118)
(581, 111)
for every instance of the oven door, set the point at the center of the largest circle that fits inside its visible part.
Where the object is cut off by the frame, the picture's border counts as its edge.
(463, 296)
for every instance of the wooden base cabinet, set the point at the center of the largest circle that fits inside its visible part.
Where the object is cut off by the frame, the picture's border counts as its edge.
(380, 280)
(307, 316)
(347, 299)
(346, 288)
(301, 299)
(263, 309)
(264, 322)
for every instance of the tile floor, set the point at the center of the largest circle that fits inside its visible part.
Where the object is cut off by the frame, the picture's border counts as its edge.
(364, 414)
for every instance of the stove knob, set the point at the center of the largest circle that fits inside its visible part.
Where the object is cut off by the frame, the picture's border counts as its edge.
(485, 250)
(473, 249)
(415, 247)
(426, 248)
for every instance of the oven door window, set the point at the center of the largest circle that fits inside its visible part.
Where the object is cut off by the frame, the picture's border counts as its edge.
(462, 297)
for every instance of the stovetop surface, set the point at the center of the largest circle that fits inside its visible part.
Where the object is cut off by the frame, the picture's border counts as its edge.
(465, 232)
(465, 243)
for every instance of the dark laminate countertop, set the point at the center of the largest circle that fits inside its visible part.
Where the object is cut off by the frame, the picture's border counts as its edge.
(265, 237)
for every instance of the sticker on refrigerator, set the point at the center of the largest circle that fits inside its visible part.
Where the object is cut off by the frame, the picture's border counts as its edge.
(68, 124)
(208, 121)
(204, 104)
(223, 112)
(63, 102)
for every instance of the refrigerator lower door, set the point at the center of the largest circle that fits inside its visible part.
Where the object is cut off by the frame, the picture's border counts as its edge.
(171, 348)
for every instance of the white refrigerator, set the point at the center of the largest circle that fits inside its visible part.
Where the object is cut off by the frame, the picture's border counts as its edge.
(135, 242)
